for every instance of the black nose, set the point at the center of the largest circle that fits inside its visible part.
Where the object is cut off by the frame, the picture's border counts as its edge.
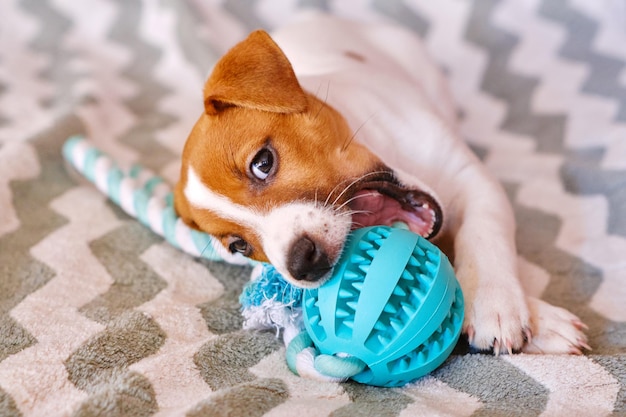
(307, 260)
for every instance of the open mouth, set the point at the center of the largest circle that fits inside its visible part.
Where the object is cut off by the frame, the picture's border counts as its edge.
(381, 200)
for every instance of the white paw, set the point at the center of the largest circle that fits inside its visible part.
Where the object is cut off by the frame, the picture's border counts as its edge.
(498, 320)
(555, 330)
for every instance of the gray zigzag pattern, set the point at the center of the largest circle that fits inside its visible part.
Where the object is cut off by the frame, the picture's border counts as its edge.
(224, 362)
(125, 31)
(401, 13)
(394, 9)
(100, 367)
(53, 26)
(514, 89)
(21, 274)
(582, 174)
(244, 10)
(223, 316)
(524, 398)
(134, 281)
(388, 403)
(604, 71)
(201, 54)
(573, 281)
(252, 399)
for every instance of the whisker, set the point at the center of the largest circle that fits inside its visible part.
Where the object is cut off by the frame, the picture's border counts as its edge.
(358, 225)
(351, 138)
(355, 182)
(333, 190)
(324, 101)
(318, 89)
(350, 200)
(209, 245)
(346, 190)
(353, 212)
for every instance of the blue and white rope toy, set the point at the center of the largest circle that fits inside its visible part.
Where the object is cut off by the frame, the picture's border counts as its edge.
(145, 196)
(391, 313)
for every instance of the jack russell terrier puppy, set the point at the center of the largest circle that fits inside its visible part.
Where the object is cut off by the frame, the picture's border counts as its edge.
(330, 125)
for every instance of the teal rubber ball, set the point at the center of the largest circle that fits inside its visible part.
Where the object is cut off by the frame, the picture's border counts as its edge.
(393, 302)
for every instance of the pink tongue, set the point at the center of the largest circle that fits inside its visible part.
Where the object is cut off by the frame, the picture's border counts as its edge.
(373, 208)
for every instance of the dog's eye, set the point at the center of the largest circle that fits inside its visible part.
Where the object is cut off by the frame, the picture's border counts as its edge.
(237, 244)
(262, 164)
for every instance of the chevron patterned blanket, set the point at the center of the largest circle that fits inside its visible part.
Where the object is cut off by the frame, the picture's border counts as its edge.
(101, 317)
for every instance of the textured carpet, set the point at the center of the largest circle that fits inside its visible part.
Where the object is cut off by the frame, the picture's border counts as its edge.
(99, 317)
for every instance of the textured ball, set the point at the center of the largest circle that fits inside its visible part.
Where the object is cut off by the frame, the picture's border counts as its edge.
(393, 302)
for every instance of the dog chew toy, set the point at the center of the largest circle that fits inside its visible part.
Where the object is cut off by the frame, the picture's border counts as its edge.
(145, 196)
(391, 312)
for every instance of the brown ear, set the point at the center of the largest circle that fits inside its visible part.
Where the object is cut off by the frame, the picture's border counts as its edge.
(254, 74)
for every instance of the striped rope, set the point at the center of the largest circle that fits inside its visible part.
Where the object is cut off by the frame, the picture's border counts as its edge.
(145, 196)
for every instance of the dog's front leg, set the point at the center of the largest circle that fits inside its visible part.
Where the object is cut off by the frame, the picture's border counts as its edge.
(485, 261)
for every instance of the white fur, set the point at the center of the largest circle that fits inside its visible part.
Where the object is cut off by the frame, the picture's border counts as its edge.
(276, 228)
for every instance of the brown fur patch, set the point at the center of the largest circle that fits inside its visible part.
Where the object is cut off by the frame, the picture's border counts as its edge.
(314, 151)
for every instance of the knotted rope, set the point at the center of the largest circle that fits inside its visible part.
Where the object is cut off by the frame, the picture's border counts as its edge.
(305, 360)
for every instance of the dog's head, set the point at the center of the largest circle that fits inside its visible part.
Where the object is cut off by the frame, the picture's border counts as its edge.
(275, 174)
